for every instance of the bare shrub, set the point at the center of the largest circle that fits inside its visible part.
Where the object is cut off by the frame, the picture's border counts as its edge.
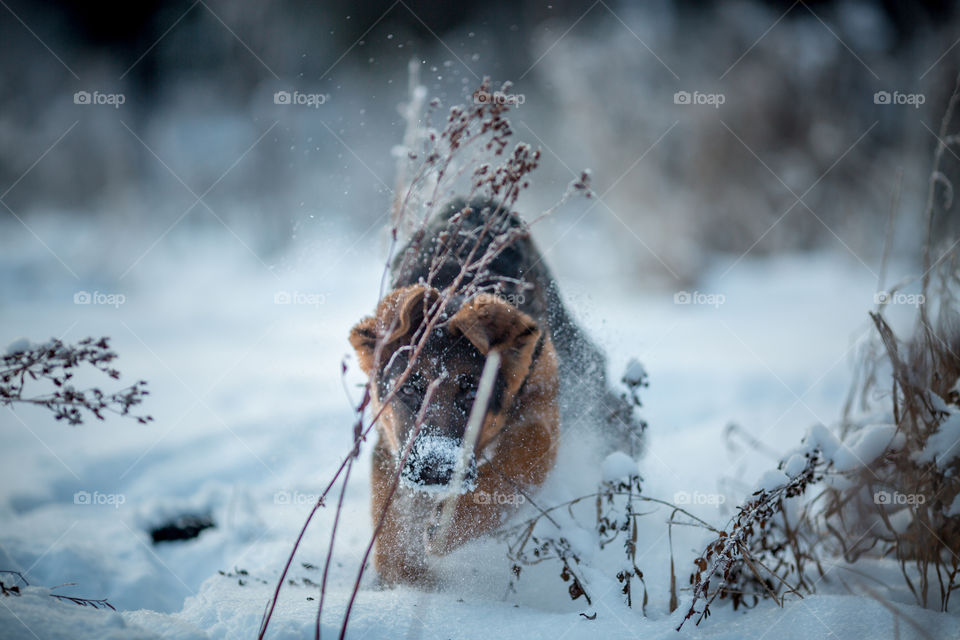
(763, 552)
(901, 503)
(55, 363)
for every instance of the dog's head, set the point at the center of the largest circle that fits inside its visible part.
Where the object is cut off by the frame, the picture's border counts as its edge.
(455, 352)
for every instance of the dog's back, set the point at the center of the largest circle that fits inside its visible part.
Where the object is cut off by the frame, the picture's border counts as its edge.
(519, 275)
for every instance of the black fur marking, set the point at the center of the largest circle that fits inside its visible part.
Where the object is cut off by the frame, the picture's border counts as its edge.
(519, 271)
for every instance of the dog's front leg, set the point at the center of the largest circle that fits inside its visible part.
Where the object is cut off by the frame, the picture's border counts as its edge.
(399, 556)
(523, 458)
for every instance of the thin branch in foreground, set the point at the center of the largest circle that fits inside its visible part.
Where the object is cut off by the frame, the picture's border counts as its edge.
(472, 434)
(14, 590)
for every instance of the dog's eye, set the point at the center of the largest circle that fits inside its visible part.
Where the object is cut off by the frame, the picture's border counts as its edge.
(408, 390)
(468, 389)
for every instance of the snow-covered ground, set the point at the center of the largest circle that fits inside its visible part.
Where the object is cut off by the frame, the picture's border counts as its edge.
(252, 418)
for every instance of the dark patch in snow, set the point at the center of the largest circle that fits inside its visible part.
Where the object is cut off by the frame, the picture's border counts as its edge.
(185, 527)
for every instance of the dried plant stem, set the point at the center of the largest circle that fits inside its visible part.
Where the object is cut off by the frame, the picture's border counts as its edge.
(472, 434)
(412, 111)
(333, 539)
(888, 236)
(936, 177)
(421, 416)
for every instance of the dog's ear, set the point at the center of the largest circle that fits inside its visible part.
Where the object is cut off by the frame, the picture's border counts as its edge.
(490, 323)
(398, 315)
(363, 338)
(404, 310)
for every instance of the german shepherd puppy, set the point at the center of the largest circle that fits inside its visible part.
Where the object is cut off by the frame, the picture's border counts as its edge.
(548, 368)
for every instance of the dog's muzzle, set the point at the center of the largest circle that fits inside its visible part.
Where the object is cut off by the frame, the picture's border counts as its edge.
(431, 464)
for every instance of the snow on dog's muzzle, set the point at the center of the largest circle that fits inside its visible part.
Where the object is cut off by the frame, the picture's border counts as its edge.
(432, 462)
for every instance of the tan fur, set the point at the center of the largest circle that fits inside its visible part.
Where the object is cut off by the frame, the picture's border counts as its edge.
(490, 323)
(519, 442)
(398, 556)
(397, 314)
(524, 455)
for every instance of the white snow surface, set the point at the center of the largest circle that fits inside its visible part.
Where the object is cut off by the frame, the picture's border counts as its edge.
(770, 480)
(863, 446)
(794, 465)
(954, 509)
(635, 373)
(617, 466)
(944, 444)
(252, 419)
(18, 346)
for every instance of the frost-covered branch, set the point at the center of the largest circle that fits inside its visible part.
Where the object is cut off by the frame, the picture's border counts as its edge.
(757, 537)
(8, 590)
(55, 363)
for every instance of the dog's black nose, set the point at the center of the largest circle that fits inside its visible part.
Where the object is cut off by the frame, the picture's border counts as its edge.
(435, 473)
(432, 462)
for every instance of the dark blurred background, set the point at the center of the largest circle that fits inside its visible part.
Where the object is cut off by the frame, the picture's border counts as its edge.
(199, 140)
